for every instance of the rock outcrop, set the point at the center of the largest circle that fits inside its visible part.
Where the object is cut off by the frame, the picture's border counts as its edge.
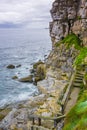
(68, 16)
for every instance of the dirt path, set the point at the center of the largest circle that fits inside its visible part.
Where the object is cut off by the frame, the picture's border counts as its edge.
(73, 99)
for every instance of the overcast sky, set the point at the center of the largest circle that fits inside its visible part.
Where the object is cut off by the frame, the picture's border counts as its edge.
(24, 12)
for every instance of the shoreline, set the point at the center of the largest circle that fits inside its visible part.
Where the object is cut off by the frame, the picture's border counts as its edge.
(49, 92)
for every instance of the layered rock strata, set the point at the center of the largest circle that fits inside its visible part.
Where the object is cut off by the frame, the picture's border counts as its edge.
(68, 16)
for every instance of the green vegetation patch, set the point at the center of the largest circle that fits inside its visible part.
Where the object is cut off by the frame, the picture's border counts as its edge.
(72, 39)
(77, 117)
(85, 77)
(35, 65)
(82, 55)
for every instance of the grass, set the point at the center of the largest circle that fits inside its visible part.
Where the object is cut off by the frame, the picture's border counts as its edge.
(77, 117)
(72, 39)
(82, 55)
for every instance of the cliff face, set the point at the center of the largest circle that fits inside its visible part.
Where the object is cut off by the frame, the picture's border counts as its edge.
(68, 16)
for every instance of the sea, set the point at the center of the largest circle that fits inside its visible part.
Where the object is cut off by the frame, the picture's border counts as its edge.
(20, 46)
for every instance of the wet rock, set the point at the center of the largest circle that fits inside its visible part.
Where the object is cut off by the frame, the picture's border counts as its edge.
(18, 66)
(27, 79)
(14, 77)
(10, 66)
(37, 78)
(32, 71)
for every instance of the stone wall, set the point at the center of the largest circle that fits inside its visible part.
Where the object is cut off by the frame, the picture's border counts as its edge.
(68, 16)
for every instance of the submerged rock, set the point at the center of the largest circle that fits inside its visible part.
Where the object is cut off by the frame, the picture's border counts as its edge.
(15, 77)
(10, 66)
(18, 66)
(27, 79)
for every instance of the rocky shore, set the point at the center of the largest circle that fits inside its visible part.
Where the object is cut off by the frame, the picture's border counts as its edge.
(54, 76)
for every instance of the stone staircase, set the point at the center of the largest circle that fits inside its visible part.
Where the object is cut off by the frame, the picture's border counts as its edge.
(68, 101)
(78, 81)
(74, 90)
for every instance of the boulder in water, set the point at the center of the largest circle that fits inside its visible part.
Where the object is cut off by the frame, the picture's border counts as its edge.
(10, 66)
(18, 66)
(15, 77)
(27, 79)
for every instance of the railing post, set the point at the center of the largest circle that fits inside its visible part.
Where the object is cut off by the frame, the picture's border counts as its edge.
(55, 123)
(39, 121)
(33, 121)
(31, 127)
(62, 107)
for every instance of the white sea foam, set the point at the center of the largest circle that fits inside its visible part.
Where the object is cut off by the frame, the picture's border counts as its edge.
(15, 49)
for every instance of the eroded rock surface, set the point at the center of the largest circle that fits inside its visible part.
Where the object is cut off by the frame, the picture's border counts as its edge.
(68, 15)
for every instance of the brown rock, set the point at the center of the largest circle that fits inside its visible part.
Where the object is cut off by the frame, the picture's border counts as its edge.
(40, 73)
(14, 77)
(10, 66)
(27, 79)
(37, 63)
(18, 66)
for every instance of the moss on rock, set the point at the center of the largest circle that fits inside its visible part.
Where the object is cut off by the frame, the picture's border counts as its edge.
(70, 40)
(36, 64)
(80, 59)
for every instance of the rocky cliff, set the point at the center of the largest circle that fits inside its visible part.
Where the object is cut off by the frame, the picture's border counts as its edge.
(68, 32)
(68, 16)
(62, 76)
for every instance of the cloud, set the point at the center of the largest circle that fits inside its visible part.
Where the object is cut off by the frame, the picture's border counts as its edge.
(24, 11)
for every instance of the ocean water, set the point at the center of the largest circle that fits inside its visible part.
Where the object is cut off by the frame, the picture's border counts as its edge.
(20, 46)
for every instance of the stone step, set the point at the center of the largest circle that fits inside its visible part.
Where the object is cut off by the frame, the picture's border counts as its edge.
(77, 84)
(77, 75)
(78, 81)
(79, 78)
